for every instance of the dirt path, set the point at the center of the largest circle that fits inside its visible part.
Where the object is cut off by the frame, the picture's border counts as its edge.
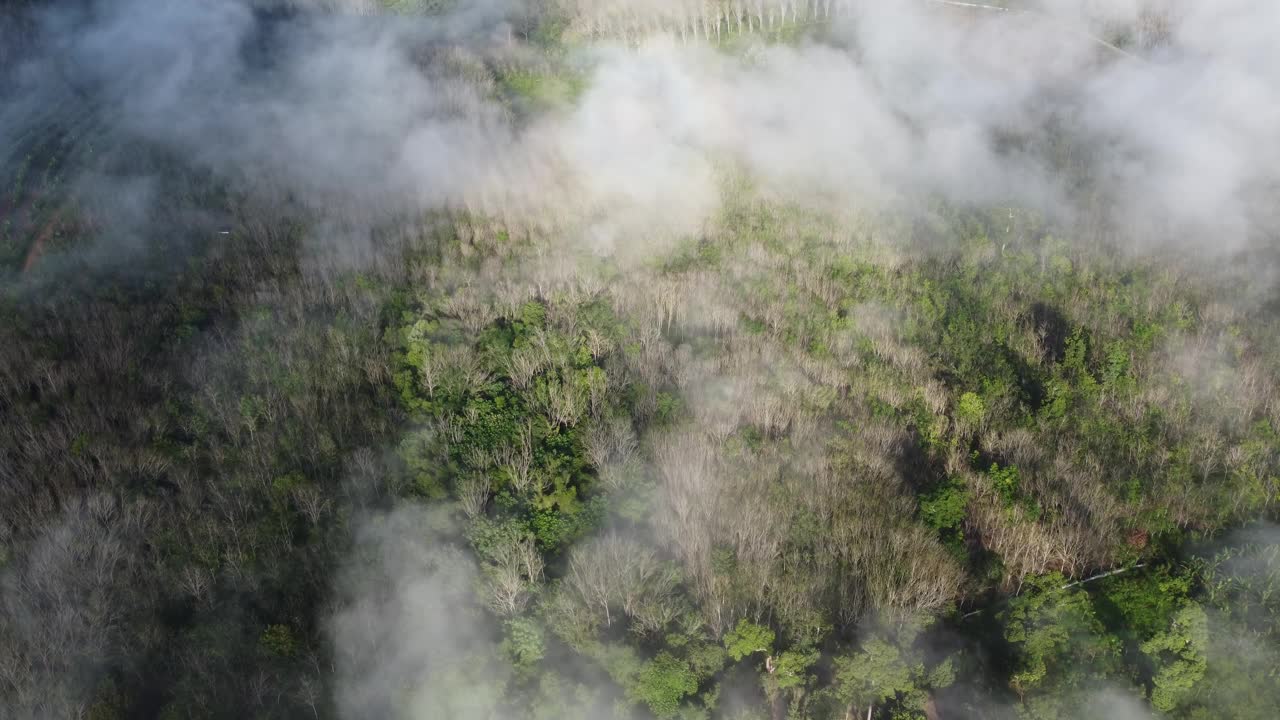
(37, 246)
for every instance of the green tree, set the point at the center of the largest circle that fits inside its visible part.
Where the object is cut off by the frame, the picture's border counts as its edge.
(971, 409)
(662, 683)
(875, 674)
(1059, 646)
(889, 671)
(278, 640)
(1179, 657)
(944, 507)
(524, 643)
(791, 669)
(1144, 604)
(748, 638)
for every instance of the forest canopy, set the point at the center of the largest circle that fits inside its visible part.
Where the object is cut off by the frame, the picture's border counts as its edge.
(698, 359)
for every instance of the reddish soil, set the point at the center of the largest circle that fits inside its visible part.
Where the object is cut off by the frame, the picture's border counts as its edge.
(21, 210)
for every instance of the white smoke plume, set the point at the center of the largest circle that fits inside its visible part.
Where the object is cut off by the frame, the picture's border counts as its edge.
(409, 637)
(906, 101)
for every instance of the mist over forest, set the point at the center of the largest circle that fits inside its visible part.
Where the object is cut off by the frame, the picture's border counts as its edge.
(639, 359)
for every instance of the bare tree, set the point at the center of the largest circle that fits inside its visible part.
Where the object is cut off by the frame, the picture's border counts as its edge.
(65, 604)
(311, 502)
(468, 366)
(613, 573)
(598, 344)
(466, 305)
(195, 581)
(516, 460)
(613, 448)
(473, 494)
(562, 401)
(523, 364)
(514, 573)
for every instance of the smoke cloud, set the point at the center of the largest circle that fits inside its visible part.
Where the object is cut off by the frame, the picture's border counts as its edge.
(409, 637)
(370, 115)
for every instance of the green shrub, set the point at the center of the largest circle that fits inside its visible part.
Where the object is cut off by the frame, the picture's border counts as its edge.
(278, 640)
(945, 507)
(524, 643)
(747, 639)
(663, 683)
